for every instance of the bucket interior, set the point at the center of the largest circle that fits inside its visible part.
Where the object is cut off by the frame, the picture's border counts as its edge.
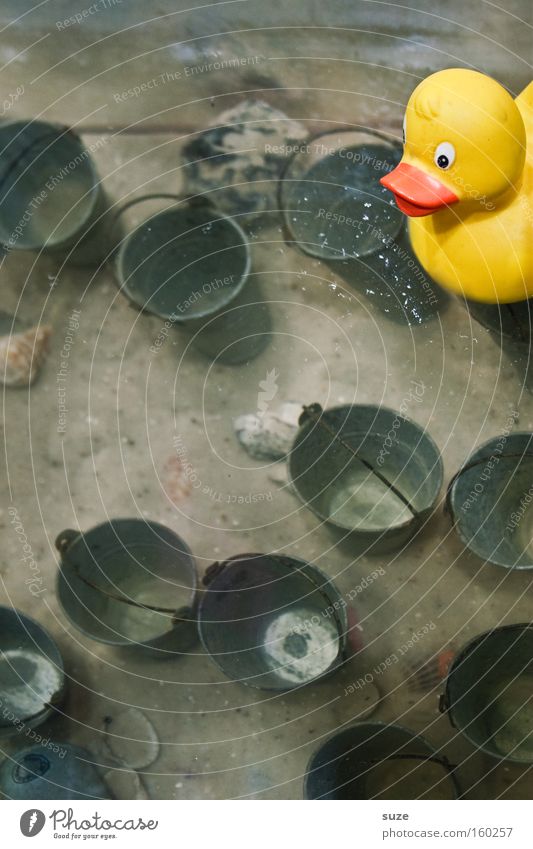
(184, 263)
(31, 670)
(47, 186)
(265, 621)
(343, 485)
(373, 761)
(119, 582)
(492, 501)
(490, 693)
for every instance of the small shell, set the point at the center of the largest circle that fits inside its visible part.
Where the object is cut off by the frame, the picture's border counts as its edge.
(269, 435)
(125, 784)
(22, 355)
(131, 739)
(177, 480)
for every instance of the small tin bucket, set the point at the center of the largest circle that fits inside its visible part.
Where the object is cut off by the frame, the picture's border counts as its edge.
(491, 498)
(32, 678)
(272, 622)
(189, 264)
(489, 692)
(333, 205)
(51, 198)
(371, 760)
(335, 209)
(367, 471)
(51, 771)
(129, 583)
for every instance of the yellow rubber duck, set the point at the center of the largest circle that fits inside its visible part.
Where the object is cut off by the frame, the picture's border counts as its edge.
(466, 181)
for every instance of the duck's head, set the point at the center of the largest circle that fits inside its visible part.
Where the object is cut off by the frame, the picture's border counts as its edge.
(464, 140)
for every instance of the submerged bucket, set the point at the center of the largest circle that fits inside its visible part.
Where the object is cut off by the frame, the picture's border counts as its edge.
(371, 760)
(52, 771)
(51, 198)
(335, 209)
(333, 204)
(32, 678)
(271, 621)
(489, 692)
(366, 470)
(190, 265)
(129, 583)
(491, 501)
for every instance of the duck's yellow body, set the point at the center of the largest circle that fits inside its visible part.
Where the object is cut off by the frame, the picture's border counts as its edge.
(466, 180)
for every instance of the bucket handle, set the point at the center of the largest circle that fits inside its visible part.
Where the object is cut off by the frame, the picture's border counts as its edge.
(65, 539)
(442, 760)
(197, 200)
(187, 613)
(444, 708)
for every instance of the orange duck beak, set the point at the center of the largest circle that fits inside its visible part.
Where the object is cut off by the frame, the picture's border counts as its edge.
(415, 192)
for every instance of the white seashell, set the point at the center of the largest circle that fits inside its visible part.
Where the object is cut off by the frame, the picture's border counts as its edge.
(131, 739)
(22, 355)
(269, 436)
(125, 784)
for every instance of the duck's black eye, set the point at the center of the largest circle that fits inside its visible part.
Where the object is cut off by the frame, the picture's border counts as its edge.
(444, 155)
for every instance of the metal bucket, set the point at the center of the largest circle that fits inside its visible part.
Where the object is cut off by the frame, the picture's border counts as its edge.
(272, 622)
(335, 209)
(52, 771)
(32, 678)
(333, 179)
(366, 470)
(129, 583)
(489, 692)
(190, 265)
(51, 198)
(371, 760)
(490, 501)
